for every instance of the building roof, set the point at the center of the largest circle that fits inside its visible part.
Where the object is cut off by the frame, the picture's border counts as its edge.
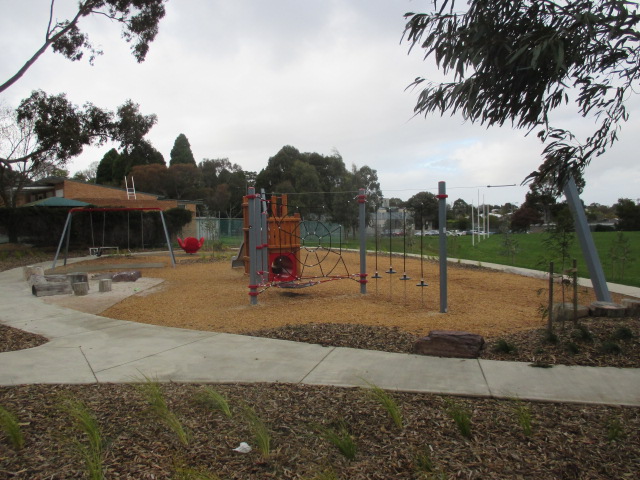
(57, 202)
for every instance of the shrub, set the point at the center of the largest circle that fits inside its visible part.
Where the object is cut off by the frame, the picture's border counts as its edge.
(610, 347)
(582, 333)
(622, 333)
(502, 346)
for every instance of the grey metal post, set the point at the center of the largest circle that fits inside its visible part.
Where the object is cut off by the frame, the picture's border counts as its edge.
(442, 221)
(166, 235)
(66, 247)
(362, 202)
(252, 250)
(264, 239)
(67, 225)
(587, 244)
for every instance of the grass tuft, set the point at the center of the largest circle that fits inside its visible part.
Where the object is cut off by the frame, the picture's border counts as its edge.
(188, 473)
(214, 400)
(340, 438)
(11, 427)
(622, 333)
(259, 430)
(502, 346)
(388, 403)
(460, 416)
(523, 414)
(614, 430)
(327, 474)
(582, 333)
(152, 393)
(572, 348)
(92, 450)
(610, 347)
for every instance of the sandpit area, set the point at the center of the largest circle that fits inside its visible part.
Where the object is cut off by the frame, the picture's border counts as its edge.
(203, 294)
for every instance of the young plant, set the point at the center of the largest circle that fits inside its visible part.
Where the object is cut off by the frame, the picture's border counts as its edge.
(523, 414)
(11, 427)
(327, 474)
(622, 333)
(340, 438)
(614, 430)
(582, 333)
(188, 473)
(90, 450)
(214, 400)
(460, 416)
(610, 347)
(502, 346)
(388, 403)
(152, 393)
(423, 462)
(259, 430)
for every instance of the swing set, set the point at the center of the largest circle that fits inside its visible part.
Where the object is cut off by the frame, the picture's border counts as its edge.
(99, 250)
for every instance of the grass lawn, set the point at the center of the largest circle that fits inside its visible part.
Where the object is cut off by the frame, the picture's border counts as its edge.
(530, 252)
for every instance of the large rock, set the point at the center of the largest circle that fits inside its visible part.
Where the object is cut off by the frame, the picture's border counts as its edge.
(632, 305)
(126, 276)
(607, 309)
(444, 343)
(564, 311)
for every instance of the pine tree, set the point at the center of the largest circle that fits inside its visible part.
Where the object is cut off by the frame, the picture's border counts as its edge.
(181, 152)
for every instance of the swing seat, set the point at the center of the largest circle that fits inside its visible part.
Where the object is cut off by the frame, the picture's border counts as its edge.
(191, 244)
(98, 251)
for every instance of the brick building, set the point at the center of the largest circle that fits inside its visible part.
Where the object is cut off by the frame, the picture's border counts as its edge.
(103, 196)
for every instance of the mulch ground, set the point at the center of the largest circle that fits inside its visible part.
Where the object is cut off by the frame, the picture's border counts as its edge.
(564, 441)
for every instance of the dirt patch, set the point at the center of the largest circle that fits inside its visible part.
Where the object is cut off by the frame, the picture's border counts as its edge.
(210, 295)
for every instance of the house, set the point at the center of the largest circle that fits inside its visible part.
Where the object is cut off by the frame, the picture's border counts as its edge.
(102, 196)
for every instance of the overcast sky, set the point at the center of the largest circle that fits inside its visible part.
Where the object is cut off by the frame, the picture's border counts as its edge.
(243, 78)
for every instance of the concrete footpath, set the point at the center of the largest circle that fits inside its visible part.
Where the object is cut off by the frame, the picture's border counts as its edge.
(86, 348)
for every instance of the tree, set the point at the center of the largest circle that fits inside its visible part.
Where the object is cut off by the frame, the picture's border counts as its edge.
(524, 217)
(45, 132)
(424, 207)
(153, 178)
(519, 60)
(628, 213)
(104, 174)
(139, 21)
(87, 175)
(181, 152)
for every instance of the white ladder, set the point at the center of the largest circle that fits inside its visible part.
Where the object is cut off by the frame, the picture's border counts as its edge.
(131, 192)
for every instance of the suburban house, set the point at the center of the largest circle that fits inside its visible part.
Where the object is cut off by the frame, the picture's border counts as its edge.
(47, 191)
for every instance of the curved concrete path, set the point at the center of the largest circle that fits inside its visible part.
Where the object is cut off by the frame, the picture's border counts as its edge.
(86, 348)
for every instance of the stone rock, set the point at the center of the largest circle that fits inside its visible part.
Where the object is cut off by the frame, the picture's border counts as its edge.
(607, 309)
(632, 305)
(564, 311)
(126, 276)
(444, 343)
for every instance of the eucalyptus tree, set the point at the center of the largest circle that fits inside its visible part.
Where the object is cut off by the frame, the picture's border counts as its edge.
(517, 61)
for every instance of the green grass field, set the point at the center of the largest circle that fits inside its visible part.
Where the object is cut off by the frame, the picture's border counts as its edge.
(530, 252)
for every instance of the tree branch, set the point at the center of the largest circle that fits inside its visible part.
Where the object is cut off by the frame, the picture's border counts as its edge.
(48, 41)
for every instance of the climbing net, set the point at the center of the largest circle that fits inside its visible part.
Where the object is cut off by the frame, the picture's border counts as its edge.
(318, 255)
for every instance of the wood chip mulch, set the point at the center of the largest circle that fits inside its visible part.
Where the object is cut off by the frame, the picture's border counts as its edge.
(12, 339)
(564, 441)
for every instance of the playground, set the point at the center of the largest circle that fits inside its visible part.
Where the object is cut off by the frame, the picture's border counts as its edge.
(205, 294)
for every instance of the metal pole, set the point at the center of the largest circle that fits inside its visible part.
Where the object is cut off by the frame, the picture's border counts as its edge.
(575, 291)
(263, 272)
(67, 223)
(473, 236)
(587, 245)
(362, 202)
(166, 235)
(66, 248)
(252, 249)
(550, 312)
(442, 220)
